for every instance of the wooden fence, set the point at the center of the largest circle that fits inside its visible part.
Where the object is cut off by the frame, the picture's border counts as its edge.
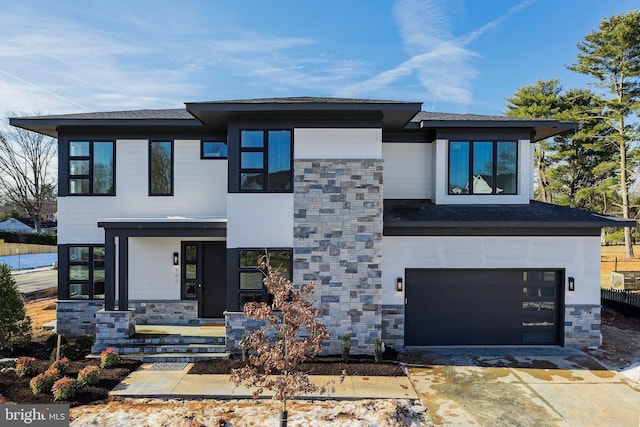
(625, 297)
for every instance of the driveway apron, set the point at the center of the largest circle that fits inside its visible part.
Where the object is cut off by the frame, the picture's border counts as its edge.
(548, 386)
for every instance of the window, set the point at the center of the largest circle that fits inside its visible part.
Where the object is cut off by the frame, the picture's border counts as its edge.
(161, 168)
(251, 287)
(213, 150)
(483, 167)
(265, 161)
(91, 168)
(86, 272)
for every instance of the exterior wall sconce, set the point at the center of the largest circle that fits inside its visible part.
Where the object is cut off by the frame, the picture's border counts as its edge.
(399, 284)
(572, 284)
(176, 258)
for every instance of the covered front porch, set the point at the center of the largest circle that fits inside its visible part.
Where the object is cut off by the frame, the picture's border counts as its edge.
(164, 286)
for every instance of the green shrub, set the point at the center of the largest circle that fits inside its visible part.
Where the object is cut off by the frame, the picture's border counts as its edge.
(377, 349)
(52, 342)
(26, 367)
(85, 342)
(88, 376)
(62, 365)
(109, 358)
(70, 351)
(15, 325)
(50, 239)
(64, 389)
(346, 347)
(41, 384)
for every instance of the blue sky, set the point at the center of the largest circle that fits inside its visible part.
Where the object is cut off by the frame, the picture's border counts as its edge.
(454, 55)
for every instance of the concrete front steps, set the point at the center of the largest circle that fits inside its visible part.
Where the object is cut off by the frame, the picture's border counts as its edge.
(172, 344)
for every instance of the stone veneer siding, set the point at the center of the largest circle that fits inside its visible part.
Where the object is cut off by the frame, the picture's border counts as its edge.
(338, 207)
(113, 326)
(582, 326)
(236, 325)
(74, 318)
(393, 326)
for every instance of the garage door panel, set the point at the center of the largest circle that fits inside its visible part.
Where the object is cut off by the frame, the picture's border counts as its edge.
(482, 307)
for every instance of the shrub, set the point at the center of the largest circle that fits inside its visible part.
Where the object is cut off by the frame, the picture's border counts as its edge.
(41, 384)
(85, 342)
(61, 365)
(26, 367)
(52, 342)
(346, 347)
(377, 349)
(69, 351)
(15, 325)
(109, 358)
(64, 389)
(88, 376)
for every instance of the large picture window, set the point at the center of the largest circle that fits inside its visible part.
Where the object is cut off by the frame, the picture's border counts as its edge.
(161, 168)
(265, 161)
(86, 272)
(483, 167)
(251, 276)
(91, 167)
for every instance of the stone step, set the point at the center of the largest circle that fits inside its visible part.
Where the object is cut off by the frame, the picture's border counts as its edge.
(170, 339)
(169, 357)
(164, 348)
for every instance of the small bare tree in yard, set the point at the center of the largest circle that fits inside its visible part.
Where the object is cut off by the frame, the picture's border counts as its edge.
(292, 335)
(27, 179)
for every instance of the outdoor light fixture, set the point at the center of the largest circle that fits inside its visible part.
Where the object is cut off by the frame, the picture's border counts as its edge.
(572, 284)
(399, 284)
(176, 258)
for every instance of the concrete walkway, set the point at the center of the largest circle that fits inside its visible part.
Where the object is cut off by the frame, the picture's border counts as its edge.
(172, 380)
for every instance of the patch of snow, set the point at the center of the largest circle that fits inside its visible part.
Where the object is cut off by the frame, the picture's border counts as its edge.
(29, 261)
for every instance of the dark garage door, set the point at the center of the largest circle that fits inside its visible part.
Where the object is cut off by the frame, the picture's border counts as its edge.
(482, 307)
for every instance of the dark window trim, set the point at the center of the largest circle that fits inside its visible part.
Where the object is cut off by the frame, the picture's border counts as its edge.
(235, 155)
(65, 174)
(203, 157)
(173, 172)
(494, 171)
(88, 263)
(263, 292)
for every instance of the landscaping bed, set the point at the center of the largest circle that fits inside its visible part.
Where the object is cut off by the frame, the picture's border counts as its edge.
(359, 365)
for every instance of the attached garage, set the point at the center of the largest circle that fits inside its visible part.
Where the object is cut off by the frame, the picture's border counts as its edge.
(483, 307)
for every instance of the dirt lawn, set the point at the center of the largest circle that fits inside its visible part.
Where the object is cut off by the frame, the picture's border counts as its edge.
(613, 259)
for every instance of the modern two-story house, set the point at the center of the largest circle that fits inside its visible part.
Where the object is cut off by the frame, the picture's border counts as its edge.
(417, 227)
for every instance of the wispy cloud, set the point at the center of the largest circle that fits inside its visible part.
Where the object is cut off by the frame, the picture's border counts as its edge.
(441, 61)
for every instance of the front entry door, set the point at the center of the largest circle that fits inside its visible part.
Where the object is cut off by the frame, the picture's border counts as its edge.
(204, 276)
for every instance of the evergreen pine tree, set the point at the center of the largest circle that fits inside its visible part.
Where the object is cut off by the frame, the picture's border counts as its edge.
(15, 325)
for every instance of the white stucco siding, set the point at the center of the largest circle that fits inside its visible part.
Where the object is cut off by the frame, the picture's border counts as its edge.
(579, 256)
(407, 170)
(152, 275)
(200, 190)
(260, 220)
(337, 143)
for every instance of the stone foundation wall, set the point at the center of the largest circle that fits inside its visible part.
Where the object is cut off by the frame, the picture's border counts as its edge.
(182, 313)
(338, 245)
(582, 326)
(74, 318)
(236, 325)
(393, 326)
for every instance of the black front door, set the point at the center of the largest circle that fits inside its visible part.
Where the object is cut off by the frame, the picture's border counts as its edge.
(204, 276)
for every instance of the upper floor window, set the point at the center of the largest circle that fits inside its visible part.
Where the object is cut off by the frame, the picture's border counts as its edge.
(213, 150)
(91, 168)
(265, 161)
(161, 168)
(483, 167)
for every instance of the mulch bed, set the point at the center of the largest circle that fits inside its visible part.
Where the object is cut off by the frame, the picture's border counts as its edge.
(322, 365)
(17, 390)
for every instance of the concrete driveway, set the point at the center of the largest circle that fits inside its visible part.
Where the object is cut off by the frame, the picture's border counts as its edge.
(521, 387)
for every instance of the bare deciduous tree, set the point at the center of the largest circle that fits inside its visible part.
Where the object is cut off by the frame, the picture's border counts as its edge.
(27, 177)
(292, 335)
